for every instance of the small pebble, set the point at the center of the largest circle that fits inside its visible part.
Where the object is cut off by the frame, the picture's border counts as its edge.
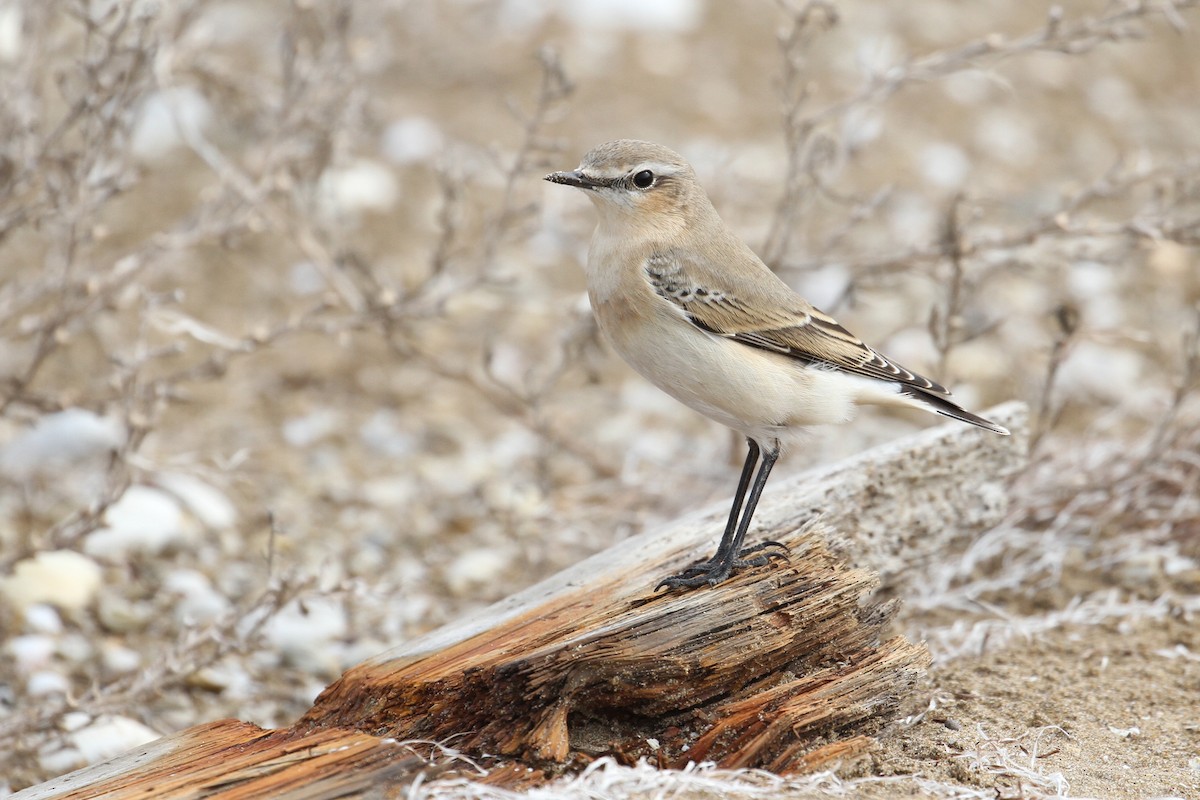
(144, 520)
(307, 430)
(30, 652)
(163, 119)
(110, 736)
(58, 439)
(47, 682)
(61, 578)
(364, 185)
(42, 618)
(198, 601)
(476, 567)
(119, 659)
(305, 634)
(121, 615)
(76, 648)
(207, 503)
(411, 140)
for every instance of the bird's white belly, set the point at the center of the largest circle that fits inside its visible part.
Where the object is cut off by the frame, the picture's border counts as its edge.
(758, 393)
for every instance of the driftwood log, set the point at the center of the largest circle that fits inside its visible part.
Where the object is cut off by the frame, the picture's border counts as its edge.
(785, 667)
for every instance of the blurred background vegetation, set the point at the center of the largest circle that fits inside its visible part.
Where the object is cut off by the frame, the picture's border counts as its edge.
(296, 361)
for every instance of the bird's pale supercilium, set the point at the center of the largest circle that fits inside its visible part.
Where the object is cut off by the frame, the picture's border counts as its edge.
(691, 307)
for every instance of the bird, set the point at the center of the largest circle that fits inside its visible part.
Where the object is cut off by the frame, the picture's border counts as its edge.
(691, 307)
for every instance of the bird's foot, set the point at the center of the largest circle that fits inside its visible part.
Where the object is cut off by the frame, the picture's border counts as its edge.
(713, 571)
(744, 559)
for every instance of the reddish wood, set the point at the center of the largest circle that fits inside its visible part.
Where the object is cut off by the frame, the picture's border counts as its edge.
(231, 760)
(744, 674)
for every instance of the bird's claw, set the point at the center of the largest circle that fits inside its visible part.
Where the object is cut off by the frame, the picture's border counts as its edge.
(712, 572)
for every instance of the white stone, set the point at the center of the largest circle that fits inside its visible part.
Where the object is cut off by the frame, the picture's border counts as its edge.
(383, 433)
(453, 475)
(664, 16)
(10, 32)
(1008, 135)
(122, 615)
(43, 618)
(207, 503)
(412, 140)
(312, 427)
(861, 126)
(118, 658)
(912, 220)
(304, 278)
(518, 16)
(167, 119)
(59, 439)
(62, 578)
(1125, 733)
(508, 364)
(60, 760)
(221, 24)
(389, 491)
(229, 679)
(144, 520)
(1142, 568)
(876, 54)
(198, 600)
(944, 165)
(520, 498)
(304, 633)
(477, 567)
(1099, 373)
(1114, 98)
(1089, 279)
(76, 648)
(511, 446)
(30, 652)
(47, 682)
(110, 736)
(74, 721)
(363, 185)
(969, 87)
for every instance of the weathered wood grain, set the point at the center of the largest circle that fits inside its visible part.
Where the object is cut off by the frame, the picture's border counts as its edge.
(741, 672)
(231, 760)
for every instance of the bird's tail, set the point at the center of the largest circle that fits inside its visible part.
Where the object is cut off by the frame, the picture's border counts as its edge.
(948, 408)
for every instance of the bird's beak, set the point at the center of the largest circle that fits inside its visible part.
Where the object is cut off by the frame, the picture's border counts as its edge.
(574, 178)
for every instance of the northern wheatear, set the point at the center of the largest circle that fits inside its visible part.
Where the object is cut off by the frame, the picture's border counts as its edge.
(695, 311)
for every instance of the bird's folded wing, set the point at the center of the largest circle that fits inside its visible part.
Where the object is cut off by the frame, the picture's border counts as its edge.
(765, 313)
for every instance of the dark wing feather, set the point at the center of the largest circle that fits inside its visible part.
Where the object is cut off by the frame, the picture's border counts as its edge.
(772, 318)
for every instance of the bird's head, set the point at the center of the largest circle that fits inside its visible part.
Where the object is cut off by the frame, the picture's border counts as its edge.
(637, 182)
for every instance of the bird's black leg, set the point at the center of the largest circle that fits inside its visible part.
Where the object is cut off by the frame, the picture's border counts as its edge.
(735, 511)
(760, 480)
(704, 567)
(730, 553)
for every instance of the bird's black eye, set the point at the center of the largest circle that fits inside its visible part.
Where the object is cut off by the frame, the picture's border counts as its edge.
(643, 179)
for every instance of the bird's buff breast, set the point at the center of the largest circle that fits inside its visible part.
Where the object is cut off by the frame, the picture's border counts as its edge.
(757, 393)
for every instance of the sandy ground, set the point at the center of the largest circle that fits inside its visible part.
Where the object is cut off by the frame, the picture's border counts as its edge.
(1096, 711)
(296, 362)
